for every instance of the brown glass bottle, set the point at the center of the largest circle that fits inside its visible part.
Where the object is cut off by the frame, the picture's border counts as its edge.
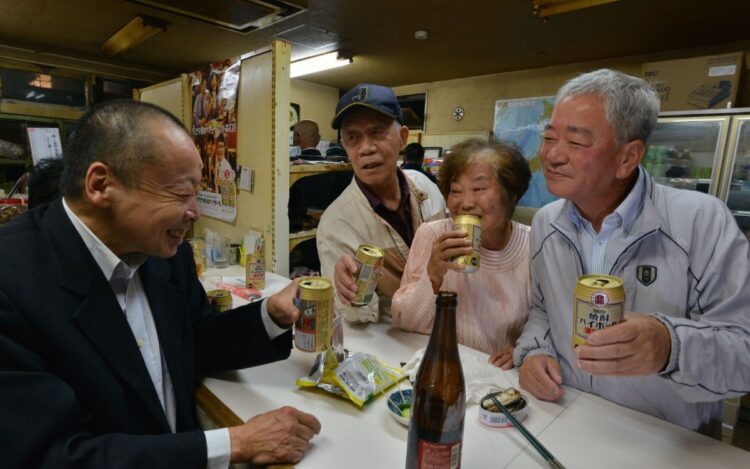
(436, 428)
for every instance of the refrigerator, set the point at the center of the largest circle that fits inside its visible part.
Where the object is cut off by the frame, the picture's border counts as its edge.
(707, 151)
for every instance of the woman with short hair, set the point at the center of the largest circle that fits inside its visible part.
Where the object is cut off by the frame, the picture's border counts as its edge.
(487, 180)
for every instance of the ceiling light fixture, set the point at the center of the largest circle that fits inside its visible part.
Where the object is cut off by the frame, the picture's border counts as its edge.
(318, 63)
(547, 8)
(135, 32)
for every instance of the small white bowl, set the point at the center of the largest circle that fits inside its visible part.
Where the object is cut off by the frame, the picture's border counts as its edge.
(499, 420)
(395, 401)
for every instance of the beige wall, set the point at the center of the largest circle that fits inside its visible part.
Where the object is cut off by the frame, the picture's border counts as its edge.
(477, 95)
(173, 95)
(317, 103)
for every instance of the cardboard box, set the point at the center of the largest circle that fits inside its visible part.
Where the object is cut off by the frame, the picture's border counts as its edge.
(708, 82)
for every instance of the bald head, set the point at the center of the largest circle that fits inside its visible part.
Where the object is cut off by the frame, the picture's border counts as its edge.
(120, 134)
(306, 134)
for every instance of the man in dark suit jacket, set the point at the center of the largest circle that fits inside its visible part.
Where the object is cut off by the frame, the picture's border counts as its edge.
(104, 326)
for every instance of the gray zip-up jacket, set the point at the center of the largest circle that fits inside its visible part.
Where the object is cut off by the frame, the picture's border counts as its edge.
(699, 286)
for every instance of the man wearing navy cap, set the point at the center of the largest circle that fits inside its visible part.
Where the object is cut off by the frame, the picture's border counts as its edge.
(381, 206)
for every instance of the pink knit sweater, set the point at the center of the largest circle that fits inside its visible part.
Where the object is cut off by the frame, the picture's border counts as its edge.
(493, 303)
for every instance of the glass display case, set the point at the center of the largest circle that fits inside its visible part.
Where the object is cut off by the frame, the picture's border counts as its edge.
(736, 188)
(708, 151)
(687, 152)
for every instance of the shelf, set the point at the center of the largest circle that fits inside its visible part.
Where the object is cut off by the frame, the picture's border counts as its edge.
(298, 171)
(12, 162)
(300, 236)
(699, 184)
(686, 179)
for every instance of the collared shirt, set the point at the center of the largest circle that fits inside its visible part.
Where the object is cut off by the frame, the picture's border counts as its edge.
(599, 251)
(127, 286)
(402, 224)
(121, 275)
(418, 167)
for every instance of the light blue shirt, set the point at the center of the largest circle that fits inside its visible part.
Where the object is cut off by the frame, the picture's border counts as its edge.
(599, 251)
(127, 286)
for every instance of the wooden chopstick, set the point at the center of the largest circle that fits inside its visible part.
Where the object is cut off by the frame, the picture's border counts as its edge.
(553, 462)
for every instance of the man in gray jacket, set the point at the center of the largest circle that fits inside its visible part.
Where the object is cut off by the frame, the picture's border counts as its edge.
(685, 343)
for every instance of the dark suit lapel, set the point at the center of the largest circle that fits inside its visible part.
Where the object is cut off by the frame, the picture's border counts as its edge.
(103, 322)
(168, 307)
(99, 316)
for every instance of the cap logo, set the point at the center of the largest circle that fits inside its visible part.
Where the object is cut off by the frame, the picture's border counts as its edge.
(362, 96)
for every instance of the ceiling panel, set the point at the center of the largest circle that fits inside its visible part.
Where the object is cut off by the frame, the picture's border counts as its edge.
(464, 38)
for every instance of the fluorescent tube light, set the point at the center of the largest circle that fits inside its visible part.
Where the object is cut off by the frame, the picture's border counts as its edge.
(546, 8)
(135, 32)
(319, 63)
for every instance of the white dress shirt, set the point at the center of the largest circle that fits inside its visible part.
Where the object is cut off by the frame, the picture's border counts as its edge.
(599, 251)
(127, 286)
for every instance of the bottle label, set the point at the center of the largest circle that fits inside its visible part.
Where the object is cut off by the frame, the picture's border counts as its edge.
(439, 455)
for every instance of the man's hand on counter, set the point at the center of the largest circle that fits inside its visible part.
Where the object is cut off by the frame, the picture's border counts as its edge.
(541, 376)
(279, 436)
(281, 306)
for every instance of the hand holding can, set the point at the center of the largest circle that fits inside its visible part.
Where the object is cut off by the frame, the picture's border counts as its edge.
(472, 226)
(598, 303)
(313, 329)
(369, 260)
(447, 246)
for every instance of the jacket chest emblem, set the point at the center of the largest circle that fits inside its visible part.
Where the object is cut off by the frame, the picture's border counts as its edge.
(646, 274)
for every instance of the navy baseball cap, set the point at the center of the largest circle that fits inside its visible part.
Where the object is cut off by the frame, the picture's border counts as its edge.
(376, 97)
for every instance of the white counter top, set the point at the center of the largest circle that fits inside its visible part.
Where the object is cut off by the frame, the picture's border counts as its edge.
(234, 275)
(581, 430)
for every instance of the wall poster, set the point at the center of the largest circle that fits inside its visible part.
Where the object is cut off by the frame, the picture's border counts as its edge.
(522, 121)
(214, 99)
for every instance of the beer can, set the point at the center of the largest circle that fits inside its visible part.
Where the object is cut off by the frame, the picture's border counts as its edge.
(472, 226)
(255, 270)
(598, 302)
(312, 331)
(220, 300)
(369, 259)
(199, 254)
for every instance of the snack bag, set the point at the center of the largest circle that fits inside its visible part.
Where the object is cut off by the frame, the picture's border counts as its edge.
(322, 374)
(357, 378)
(362, 376)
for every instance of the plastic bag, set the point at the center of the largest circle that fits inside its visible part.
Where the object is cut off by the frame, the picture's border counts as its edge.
(358, 378)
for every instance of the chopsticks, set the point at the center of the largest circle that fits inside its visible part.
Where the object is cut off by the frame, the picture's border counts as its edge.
(553, 462)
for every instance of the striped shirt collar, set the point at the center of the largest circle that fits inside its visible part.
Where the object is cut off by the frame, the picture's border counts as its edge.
(626, 212)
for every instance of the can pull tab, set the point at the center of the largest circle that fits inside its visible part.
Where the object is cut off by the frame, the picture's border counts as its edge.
(602, 282)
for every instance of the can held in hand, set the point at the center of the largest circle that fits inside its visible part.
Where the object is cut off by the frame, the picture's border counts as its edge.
(220, 300)
(369, 259)
(312, 331)
(472, 226)
(598, 302)
(255, 270)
